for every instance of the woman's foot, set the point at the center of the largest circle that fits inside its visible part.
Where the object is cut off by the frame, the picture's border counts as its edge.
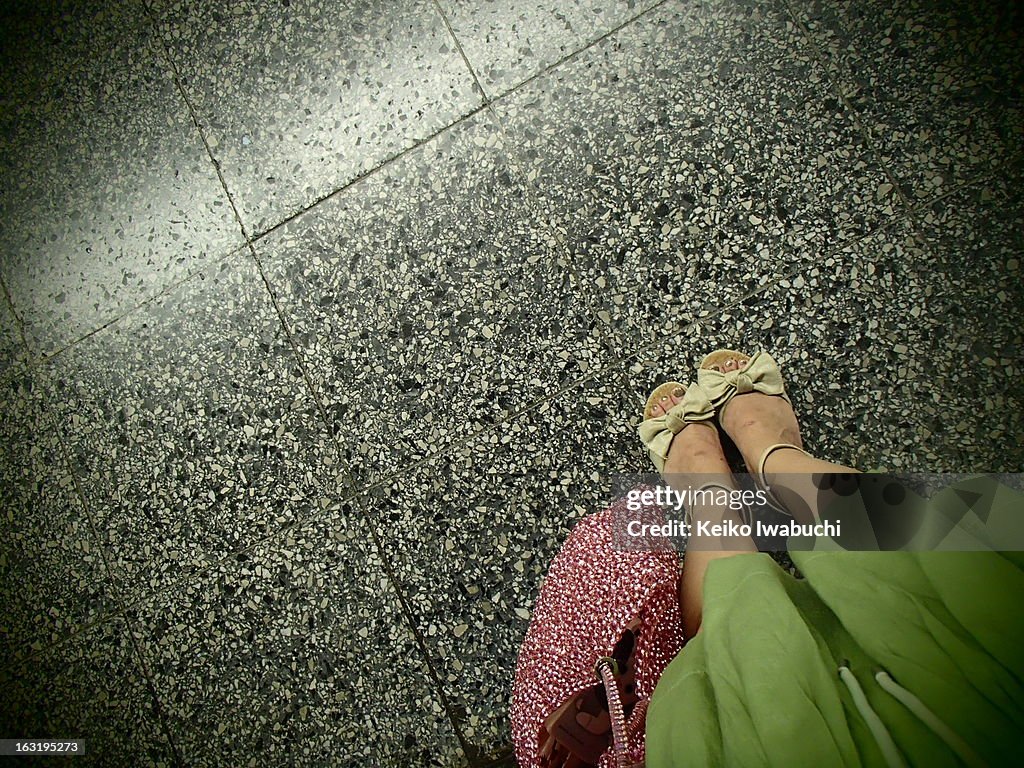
(755, 421)
(696, 449)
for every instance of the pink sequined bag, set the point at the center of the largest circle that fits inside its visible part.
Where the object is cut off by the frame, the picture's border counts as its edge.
(605, 625)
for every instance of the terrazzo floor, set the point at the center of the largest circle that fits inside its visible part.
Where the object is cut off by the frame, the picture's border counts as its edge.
(321, 323)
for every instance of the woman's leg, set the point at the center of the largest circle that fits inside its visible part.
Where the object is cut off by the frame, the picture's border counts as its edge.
(696, 459)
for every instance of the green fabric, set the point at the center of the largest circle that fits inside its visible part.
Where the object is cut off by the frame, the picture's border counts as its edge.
(974, 514)
(758, 685)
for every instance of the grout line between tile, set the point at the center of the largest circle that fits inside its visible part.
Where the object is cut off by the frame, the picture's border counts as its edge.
(38, 365)
(300, 361)
(917, 207)
(165, 726)
(46, 357)
(364, 174)
(359, 501)
(113, 579)
(579, 51)
(19, 323)
(486, 104)
(193, 114)
(410, 619)
(462, 52)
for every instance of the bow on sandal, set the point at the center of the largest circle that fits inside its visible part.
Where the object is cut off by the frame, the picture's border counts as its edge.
(760, 374)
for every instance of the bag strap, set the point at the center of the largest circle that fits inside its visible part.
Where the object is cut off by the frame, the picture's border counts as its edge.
(606, 669)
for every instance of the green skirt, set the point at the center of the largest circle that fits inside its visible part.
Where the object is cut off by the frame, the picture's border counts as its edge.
(931, 643)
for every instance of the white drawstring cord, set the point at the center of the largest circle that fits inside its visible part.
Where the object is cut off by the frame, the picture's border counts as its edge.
(929, 718)
(892, 755)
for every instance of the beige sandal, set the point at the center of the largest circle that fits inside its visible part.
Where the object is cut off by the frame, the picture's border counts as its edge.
(759, 374)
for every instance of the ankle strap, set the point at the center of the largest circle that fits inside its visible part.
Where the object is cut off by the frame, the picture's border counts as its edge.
(772, 449)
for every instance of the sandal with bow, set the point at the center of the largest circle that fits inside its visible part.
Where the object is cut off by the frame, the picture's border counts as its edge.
(753, 373)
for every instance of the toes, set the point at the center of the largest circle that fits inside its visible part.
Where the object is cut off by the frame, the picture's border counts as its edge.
(665, 402)
(662, 406)
(727, 361)
(731, 364)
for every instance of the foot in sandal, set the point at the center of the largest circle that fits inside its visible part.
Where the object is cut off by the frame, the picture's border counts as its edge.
(752, 407)
(696, 449)
(755, 420)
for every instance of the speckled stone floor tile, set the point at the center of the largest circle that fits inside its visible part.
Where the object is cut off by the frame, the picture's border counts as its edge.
(929, 81)
(508, 761)
(470, 535)
(111, 195)
(508, 42)
(1007, 43)
(878, 370)
(1011, 128)
(241, 433)
(297, 653)
(299, 98)
(428, 302)
(11, 348)
(690, 157)
(191, 427)
(975, 363)
(91, 687)
(52, 577)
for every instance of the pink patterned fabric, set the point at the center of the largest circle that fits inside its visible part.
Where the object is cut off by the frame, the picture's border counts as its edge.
(591, 593)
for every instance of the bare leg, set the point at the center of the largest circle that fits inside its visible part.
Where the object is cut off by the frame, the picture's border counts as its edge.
(695, 459)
